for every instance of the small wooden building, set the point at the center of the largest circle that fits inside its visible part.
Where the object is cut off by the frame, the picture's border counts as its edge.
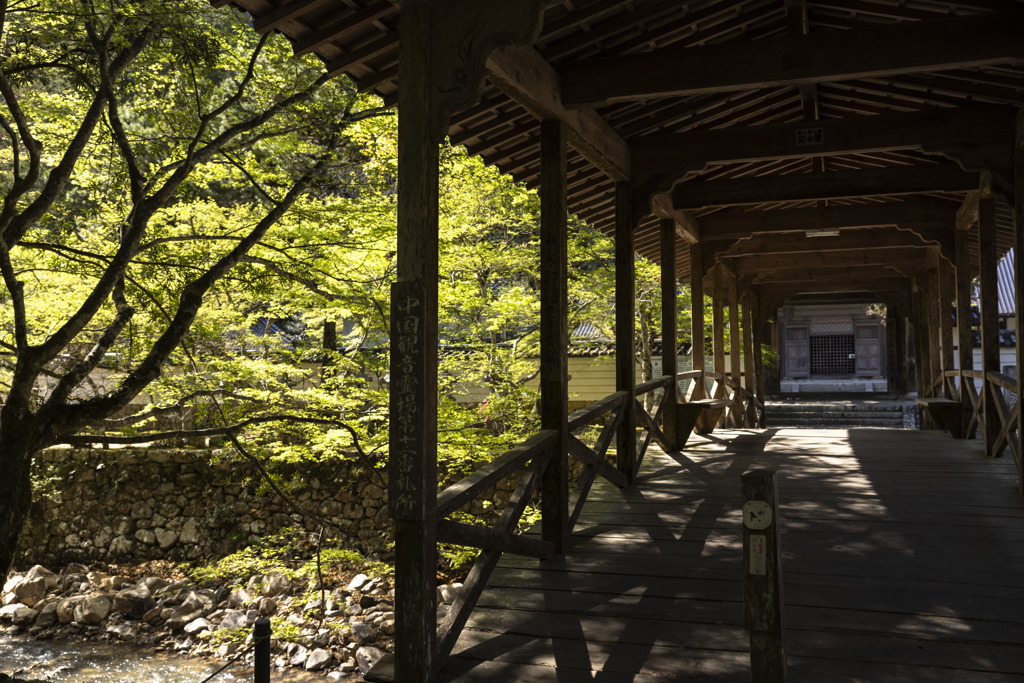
(758, 149)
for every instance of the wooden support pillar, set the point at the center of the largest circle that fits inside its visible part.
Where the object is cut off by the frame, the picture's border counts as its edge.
(735, 345)
(697, 316)
(1018, 278)
(442, 55)
(748, 358)
(669, 336)
(989, 314)
(930, 300)
(554, 331)
(412, 464)
(947, 292)
(912, 343)
(625, 312)
(718, 294)
(896, 334)
(965, 344)
(757, 337)
(919, 320)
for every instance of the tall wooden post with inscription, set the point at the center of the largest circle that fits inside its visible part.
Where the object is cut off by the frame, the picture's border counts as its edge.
(412, 462)
(762, 577)
(443, 50)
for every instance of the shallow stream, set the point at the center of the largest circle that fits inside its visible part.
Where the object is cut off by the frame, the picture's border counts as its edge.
(69, 660)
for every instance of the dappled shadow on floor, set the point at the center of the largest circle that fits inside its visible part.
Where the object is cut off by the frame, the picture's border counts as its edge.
(897, 564)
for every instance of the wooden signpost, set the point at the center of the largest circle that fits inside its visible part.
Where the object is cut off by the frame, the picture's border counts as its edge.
(762, 578)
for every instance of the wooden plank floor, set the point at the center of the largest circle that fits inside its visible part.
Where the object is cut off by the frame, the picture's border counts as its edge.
(903, 560)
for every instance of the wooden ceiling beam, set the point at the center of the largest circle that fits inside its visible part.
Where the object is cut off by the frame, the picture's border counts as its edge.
(972, 127)
(523, 75)
(737, 224)
(785, 291)
(893, 181)
(883, 50)
(839, 283)
(894, 257)
(847, 240)
(852, 297)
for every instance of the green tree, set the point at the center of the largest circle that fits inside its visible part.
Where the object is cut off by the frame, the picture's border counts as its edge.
(148, 147)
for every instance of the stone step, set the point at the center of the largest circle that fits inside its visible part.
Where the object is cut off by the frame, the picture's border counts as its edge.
(835, 424)
(835, 405)
(833, 408)
(836, 414)
(855, 419)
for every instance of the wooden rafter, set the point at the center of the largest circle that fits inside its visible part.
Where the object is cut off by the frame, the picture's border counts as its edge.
(934, 130)
(832, 185)
(735, 224)
(794, 60)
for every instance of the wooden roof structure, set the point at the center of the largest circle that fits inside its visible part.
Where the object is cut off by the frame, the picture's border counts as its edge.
(845, 149)
(742, 119)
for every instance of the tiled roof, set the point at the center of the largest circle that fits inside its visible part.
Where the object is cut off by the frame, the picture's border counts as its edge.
(1007, 290)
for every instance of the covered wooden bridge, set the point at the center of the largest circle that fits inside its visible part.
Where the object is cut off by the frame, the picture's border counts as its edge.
(765, 151)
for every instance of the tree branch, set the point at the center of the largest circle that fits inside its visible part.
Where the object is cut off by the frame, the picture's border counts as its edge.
(17, 290)
(142, 213)
(177, 405)
(188, 306)
(33, 147)
(81, 370)
(136, 181)
(14, 226)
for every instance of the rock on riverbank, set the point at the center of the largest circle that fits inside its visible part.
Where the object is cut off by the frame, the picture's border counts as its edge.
(340, 632)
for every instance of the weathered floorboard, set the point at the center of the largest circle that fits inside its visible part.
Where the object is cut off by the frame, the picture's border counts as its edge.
(903, 557)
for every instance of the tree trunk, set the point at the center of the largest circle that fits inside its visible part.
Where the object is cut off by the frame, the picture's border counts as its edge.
(17, 448)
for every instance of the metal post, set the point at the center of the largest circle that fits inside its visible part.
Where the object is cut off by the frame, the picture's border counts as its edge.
(762, 578)
(261, 652)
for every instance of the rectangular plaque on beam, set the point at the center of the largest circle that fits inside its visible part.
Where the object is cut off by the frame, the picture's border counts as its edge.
(405, 467)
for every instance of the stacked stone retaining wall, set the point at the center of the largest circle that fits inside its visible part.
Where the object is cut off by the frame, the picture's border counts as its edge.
(135, 505)
(179, 504)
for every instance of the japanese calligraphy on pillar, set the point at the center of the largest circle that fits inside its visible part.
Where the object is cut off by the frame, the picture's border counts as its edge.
(405, 485)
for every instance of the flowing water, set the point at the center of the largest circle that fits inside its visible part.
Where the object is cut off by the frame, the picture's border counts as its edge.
(67, 660)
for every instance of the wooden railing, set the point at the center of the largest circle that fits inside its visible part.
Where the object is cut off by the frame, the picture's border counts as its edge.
(591, 433)
(530, 458)
(741, 409)
(1000, 433)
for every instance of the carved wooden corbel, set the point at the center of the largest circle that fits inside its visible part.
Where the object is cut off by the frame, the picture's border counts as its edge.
(460, 36)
